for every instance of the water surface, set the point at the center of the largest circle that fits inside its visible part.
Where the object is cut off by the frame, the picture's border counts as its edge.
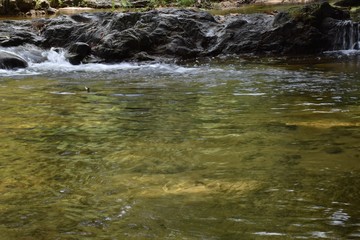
(240, 148)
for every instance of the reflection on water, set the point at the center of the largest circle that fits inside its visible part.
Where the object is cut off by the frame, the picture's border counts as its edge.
(231, 149)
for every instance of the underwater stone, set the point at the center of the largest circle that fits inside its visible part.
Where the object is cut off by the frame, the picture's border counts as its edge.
(334, 150)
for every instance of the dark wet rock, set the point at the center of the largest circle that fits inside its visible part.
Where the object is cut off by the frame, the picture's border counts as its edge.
(10, 60)
(184, 34)
(281, 18)
(51, 11)
(80, 48)
(348, 3)
(16, 33)
(78, 52)
(292, 127)
(143, 56)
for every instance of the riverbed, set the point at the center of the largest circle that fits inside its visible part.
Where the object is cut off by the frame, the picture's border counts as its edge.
(224, 148)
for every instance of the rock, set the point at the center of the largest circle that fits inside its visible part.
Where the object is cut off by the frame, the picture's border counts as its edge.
(281, 18)
(80, 48)
(180, 33)
(315, 14)
(31, 13)
(334, 150)
(35, 13)
(348, 3)
(15, 33)
(78, 51)
(74, 10)
(51, 11)
(10, 60)
(143, 56)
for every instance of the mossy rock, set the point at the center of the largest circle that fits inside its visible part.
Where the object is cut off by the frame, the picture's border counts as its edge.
(314, 13)
(355, 15)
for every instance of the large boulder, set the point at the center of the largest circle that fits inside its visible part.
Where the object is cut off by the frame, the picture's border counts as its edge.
(10, 60)
(190, 34)
(304, 30)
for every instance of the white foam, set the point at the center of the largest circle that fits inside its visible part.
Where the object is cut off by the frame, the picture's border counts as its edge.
(54, 61)
(339, 218)
(249, 94)
(57, 62)
(16, 72)
(269, 234)
(349, 52)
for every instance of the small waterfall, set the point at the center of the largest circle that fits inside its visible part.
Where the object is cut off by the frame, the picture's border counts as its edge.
(56, 55)
(33, 54)
(347, 36)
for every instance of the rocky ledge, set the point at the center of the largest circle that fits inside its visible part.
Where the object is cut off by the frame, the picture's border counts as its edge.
(179, 34)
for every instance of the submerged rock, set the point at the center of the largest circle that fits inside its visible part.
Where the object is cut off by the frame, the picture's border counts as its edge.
(184, 34)
(10, 60)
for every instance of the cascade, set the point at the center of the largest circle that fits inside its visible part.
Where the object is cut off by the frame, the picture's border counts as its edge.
(347, 36)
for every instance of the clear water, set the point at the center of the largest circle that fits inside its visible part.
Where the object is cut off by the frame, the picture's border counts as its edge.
(226, 149)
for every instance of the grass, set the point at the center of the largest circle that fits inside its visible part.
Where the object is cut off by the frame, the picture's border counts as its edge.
(256, 8)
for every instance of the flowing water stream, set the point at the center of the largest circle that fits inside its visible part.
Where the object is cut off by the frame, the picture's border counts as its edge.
(234, 148)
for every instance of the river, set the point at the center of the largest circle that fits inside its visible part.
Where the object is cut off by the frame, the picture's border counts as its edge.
(225, 148)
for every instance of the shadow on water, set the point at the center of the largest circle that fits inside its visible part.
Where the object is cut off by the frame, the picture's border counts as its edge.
(225, 149)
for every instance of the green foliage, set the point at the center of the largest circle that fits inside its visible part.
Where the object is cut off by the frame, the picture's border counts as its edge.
(305, 14)
(185, 3)
(125, 3)
(120, 3)
(171, 3)
(56, 3)
(314, 13)
(355, 14)
(159, 3)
